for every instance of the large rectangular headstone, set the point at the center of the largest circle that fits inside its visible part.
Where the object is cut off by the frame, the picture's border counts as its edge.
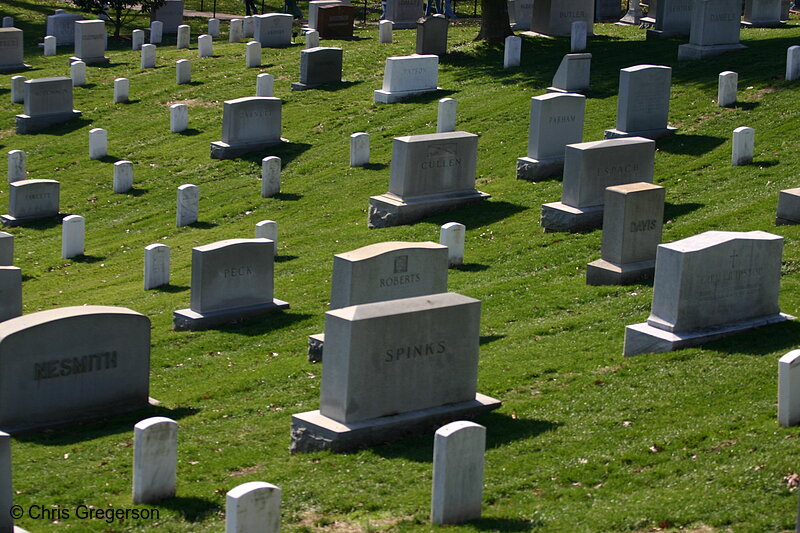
(556, 121)
(30, 200)
(643, 104)
(523, 12)
(708, 286)
(432, 35)
(336, 21)
(674, 18)
(573, 74)
(406, 76)
(90, 41)
(11, 50)
(391, 368)
(313, 10)
(6, 488)
(10, 292)
(403, 13)
(170, 15)
(62, 27)
(48, 101)
(429, 174)
(762, 13)
(72, 363)
(248, 124)
(715, 29)
(555, 17)
(319, 66)
(273, 30)
(231, 280)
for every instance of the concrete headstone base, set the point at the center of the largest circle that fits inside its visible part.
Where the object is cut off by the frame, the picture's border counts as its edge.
(223, 150)
(186, 319)
(602, 272)
(691, 51)
(388, 210)
(647, 134)
(557, 216)
(390, 97)
(27, 124)
(99, 60)
(529, 168)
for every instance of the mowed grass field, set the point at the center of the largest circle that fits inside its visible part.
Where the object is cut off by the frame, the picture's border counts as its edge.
(586, 440)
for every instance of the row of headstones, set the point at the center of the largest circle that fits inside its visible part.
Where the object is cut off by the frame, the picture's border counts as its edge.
(457, 487)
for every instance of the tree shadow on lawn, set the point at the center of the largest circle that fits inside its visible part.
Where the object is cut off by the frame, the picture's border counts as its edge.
(760, 341)
(82, 431)
(501, 429)
(478, 214)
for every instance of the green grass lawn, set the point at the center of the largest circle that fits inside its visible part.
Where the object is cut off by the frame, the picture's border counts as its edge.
(586, 440)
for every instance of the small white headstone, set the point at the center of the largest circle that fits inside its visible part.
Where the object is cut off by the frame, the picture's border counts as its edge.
(793, 63)
(452, 235)
(155, 459)
(16, 166)
(6, 490)
(448, 108)
(359, 149)
(121, 90)
(77, 71)
(268, 229)
(213, 27)
(743, 146)
(248, 26)
(513, 51)
(253, 506)
(385, 31)
(156, 266)
(188, 204)
(178, 117)
(18, 89)
(458, 450)
(264, 85)
(183, 71)
(148, 56)
(156, 31)
(73, 228)
(253, 54)
(312, 39)
(49, 46)
(183, 36)
(123, 176)
(235, 31)
(137, 39)
(270, 176)
(789, 389)
(98, 143)
(8, 22)
(205, 46)
(726, 91)
(577, 41)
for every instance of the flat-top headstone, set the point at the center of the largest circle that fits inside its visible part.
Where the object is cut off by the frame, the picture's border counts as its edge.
(632, 220)
(155, 459)
(429, 174)
(406, 76)
(788, 207)
(643, 104)
(319, 66)
(555, 18)
(673, 18)
(762, 13)
(457, 495)
(72, 363)
(253, 506)
(336, 21)
(31, 200)
(708, 286)
(313, 10)
(231, 280)
(6, 249)
(48, 101)
(273, 30)
(11, 50)
(403, 13)
(573, 74)
(715, 29)
(432, 35)
(248, 124)
(62, 27)
(556, 121)
(789, 389)
(10, 292)
(170, 15)
(90, 41)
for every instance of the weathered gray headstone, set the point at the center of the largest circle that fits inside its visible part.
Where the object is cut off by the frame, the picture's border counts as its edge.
(643, 104)
(248, 26)
(336, 21)
(793, 63)
(313, 10)
(90, 42)
(789, 389)
(714, 31)
(710, 286)
(231, 280)
(588, 169)
(403, 13)
(188, 205)
(453, 235)
(319, 66)
(446, 118)
(726, 89)
(312, 39)
(148, 56)
(743, 146)
(16, 166)
(555, 17)
(270, 176)
(18, 89)
(156, 32)
(253, 506)
(6, 249)
(121, 90)
(49, 46)
(6, 488)
(8, 22)
(11, 50)
(429, 174)
(178, 117)
(205, 46)
(184, 36)
(577, 42)
(556, 121)
(391, 369)
(406, 76)
(48, 101)
(252, 54)
(572, 75)
(170, 15)
(632, 222)
(359, 149)
(213, 27)
(634, 14)
(155, 459)
(183, 71)
(385, 31)
(673, 19)
(73, 229)
(762, 13)
(248, 124)
(457, 494)
(123, 177)
(512, 52)
(788, 207)
(235, 31)
(77, 71)
(522, 14)
(10, 292)
(98, 143)
(432, 35)
(265, 84)
(273, 30)
(608, 10)
(72, 363)
(62, 27)
(31, 200)
(137, 39)
(156, 265)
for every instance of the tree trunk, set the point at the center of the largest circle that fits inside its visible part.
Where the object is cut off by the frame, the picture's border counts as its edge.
(495, 26)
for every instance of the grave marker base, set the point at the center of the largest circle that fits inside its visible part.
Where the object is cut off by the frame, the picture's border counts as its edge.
(300, 86)
(390, 97)
(695, 51)
(10, 221)
(763, 24)
(653, 34)
(564, 91)
(557, 216)
(602, 272)
(644, 338)
(27, 124)
(99, 60)
(529, 168)
(14, 68)
(388, 210)
(312, 431)
(186, 319)
(223, 150)
(647, 134)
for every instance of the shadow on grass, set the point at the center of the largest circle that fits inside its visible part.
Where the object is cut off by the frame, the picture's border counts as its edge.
(44, 223)
(192, 509)
(86, 86)
(287, 196)
(65, 127)
(284, 258)
(764, 164)
(426, 98)
(129, 102)
(333, 87)
(471, 267)
(109, 159)
(133, 191)
(171, 288)
(263, 324)
(190, 132)
(88, 259)
(673, 211)
(193, 83)
(504, 524)
(81, 431)
(486, 339)
(690, 144)
(760, 341)
(478, 214)
(375, 166)
(745, 106)
(287, 151)
(202, 225)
